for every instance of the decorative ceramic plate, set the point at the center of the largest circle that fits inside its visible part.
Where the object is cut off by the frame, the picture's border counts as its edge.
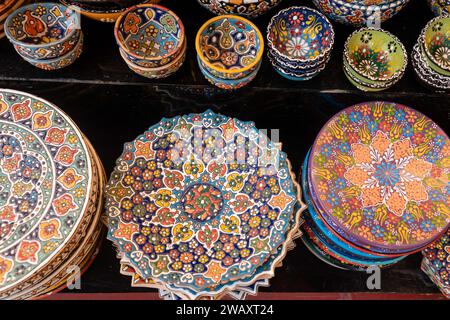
(378, 174)
(199, 201)
(45, 175)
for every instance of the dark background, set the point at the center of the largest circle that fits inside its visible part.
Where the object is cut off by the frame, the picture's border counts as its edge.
(112, 105)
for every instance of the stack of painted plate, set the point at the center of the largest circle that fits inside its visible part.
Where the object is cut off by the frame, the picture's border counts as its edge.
(51, 194)
(151, 40)
(431, 54)
(375, 182)
(6, 7)
(299, 50)
(47, 35)
(229, 51)
(201, 206)
(436, 262)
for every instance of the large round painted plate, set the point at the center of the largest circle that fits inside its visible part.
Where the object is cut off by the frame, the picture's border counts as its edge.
(200, 200)
(45, 178)
(379, 175)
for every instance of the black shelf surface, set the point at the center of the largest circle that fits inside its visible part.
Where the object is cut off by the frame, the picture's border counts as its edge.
(112, 105)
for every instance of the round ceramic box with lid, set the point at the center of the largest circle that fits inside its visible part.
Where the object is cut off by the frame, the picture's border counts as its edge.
(49, 191)
(43, 30)
(202, 204)
(378, 175)
(150, 36)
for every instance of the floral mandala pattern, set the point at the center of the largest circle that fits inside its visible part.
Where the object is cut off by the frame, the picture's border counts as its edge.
(380, 175)
(44, 177)
(208, 219)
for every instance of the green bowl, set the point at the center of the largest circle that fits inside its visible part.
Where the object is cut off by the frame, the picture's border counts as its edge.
(376, 55)
(436, 42)
(360, 85)
(430, 63)
(355, 75)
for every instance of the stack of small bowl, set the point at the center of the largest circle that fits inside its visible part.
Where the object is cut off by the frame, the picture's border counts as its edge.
(297, 50)
(52, 198)
(440, 7)
(6, 7)
(151, 40)
(47, 35)
(229, 51)
(360, 12)
(374, 59)
(103, 10)
(431, 54)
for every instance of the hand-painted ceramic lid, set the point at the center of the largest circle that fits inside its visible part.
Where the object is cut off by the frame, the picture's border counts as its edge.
(200, 200)
(379, 175)
(45, 181)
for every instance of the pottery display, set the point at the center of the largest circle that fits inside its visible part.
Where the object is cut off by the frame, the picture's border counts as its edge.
(440, 7)
(300, 41)
(151, 40)
(360, 13)
(246, 8)
(374, 59)
(229, 48)
(47, 35)
(202, 220)
(368, 187)
(104, 11)
(431, 54)
(52, 190)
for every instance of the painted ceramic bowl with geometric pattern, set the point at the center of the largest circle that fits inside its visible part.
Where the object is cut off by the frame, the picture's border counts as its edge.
(436, 42)
(439, 7)
(246, 8)
(360, 12)
(150, 34)
(229, 47)
(43, 30)
(374, 58)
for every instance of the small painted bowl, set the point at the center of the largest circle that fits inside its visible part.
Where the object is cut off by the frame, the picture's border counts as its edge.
(430, 63)
(297, 74)
(150, 35)
(60, 62)
(440, 7)
(426, 74)
(246, 8)
(436, 41)
(159, 72)
(300, 35)
(229, 84)
(376, 55)
(229, 47)
(360, 12)
(43, 30)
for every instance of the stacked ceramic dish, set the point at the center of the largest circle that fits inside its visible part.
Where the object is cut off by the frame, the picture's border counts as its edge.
(360, 13)
(229, 51)
(374, 59)
(440, 7)
(431, 54)
(300, 41)
(247, 8)
(201, 206)
(52, 185)
(6, 7)
(103, 10)
(47, 35)
(151, 40)
(436, 263)
(371, 183)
